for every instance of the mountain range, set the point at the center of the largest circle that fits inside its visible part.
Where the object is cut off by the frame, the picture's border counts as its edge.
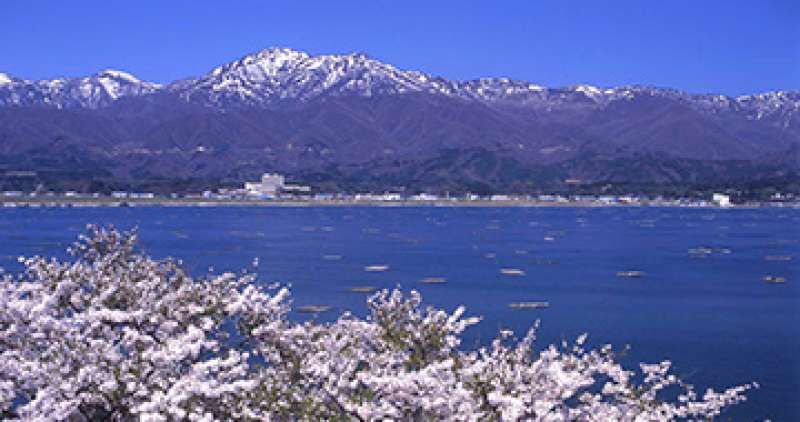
(351, 122)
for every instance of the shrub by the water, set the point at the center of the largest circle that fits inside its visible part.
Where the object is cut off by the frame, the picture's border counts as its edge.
(115, 335)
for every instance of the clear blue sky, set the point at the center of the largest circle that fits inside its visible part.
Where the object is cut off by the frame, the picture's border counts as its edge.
(726, 46)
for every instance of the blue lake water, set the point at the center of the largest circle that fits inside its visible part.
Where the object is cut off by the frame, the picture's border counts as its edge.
(713, 316)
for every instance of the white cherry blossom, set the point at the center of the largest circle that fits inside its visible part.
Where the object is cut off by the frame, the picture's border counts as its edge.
(115, 335)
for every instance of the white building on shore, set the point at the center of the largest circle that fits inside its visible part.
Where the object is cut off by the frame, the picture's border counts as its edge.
(722, 200)
(271, 186)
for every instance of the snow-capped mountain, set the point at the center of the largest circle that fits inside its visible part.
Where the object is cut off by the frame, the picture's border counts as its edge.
(279, 74)
(779, 106)
(352, 117)
(273, 76)
(276, 75)
(98, 90)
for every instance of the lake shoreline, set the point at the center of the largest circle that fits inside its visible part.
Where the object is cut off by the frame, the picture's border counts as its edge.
(183, 202)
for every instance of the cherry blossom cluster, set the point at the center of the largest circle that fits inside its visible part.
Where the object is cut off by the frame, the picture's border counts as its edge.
(112, 334)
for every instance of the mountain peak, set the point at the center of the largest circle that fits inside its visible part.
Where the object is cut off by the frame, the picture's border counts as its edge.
(590, 91)
(269, 61)
(117, 74)
(282, 53)
(282, 73)
(95, 91)
(274, 57)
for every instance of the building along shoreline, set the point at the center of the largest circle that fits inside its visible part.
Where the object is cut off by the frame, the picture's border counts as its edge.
(56, 202)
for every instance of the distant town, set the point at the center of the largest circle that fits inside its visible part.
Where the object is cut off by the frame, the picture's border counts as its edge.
(273, 189)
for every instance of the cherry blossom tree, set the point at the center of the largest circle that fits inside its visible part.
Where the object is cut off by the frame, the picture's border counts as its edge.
(113, 334)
